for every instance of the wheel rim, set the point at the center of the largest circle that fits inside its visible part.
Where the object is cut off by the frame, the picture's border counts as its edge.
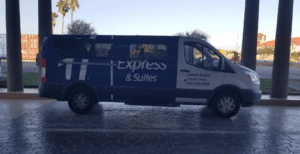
(226, 105)
(80, 101)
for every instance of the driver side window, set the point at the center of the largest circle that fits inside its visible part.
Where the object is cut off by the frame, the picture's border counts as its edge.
(200, 56)
(193, 55)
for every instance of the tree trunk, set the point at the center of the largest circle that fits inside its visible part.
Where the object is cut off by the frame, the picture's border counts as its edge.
(62, 28)
(71, 19)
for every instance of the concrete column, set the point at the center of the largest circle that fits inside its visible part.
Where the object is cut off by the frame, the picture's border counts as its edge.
(45, 25)
(14, 56)
(282, 49)
(250, 34)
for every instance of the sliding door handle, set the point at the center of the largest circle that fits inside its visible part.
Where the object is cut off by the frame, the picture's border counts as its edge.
(185, 70)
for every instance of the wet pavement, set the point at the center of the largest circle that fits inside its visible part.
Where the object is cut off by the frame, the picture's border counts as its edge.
(48, 126)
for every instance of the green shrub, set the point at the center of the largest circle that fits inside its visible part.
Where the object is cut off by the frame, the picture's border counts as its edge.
(265, 50)
(296, 53)
(296, 56)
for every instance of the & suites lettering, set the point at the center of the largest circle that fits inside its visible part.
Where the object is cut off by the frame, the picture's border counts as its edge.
(135, 65)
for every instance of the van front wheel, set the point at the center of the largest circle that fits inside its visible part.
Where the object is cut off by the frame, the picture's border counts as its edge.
(226, 104)
(81, 101)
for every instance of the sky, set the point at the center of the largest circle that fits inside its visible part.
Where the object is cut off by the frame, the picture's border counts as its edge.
(222, 19)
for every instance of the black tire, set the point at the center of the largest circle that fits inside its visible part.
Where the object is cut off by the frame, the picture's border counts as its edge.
(226, 104)
(82, 96)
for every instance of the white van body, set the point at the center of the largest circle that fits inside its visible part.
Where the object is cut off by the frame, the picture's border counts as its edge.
(144, 70)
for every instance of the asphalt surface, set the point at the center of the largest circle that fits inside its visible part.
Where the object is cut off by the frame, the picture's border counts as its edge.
(294, 74)
(266, 72)
(51, 127)
(27, 66)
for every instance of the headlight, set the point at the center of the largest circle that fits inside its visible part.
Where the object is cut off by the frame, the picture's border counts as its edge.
(251, 76)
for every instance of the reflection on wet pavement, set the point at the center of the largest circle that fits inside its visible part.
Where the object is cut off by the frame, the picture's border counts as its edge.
(51, 127)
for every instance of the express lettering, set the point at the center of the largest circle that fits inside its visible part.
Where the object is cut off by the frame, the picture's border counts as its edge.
(134, 65)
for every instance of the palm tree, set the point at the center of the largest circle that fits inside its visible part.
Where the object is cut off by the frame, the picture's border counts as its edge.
(63, 8)
(73, 4)
(54, 16)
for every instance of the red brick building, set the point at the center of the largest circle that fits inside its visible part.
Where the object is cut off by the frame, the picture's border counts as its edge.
(29, 45)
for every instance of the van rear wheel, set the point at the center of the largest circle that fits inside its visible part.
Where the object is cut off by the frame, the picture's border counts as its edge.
(226, 104)
(81, 101)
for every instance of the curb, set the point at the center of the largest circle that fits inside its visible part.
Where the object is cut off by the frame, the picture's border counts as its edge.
(22, 96)
(279, 103)
(3, 84)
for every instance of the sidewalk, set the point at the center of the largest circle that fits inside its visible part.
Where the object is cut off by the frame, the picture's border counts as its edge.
(32, 94)
(28, 94)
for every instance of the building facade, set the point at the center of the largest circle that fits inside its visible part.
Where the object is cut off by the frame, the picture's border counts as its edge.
(262, 43)
(29, 46)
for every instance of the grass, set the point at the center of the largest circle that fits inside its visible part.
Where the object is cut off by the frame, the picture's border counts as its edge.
(30, 78)
(265, 87)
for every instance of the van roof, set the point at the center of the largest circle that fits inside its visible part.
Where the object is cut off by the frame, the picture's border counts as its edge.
(126, 37)
(109, 36)
(151, 37)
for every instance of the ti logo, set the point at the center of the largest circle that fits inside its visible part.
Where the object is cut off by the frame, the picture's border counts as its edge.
(69, 63)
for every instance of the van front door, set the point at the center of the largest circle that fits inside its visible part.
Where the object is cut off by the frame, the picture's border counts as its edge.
(198, 72)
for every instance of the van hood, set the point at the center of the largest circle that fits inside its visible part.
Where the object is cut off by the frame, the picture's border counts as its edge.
(245, 68)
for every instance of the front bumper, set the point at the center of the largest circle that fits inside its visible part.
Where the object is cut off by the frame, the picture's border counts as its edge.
(251, 97)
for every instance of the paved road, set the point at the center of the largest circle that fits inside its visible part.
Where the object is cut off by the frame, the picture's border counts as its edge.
(50, 127)
(266, 72)
(27, 66)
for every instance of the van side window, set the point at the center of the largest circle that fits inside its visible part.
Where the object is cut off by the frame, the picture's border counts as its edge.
(103, 49)
(149, 52)
(155, 52)
(201, 56)
(134, 51)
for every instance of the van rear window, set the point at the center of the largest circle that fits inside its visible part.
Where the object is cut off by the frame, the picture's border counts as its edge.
(70, 48)
(104, 49)
(73, 48)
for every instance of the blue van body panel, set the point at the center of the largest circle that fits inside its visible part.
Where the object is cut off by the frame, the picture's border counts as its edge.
(114, 78)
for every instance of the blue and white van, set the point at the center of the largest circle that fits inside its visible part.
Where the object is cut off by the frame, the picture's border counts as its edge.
(144, 70)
